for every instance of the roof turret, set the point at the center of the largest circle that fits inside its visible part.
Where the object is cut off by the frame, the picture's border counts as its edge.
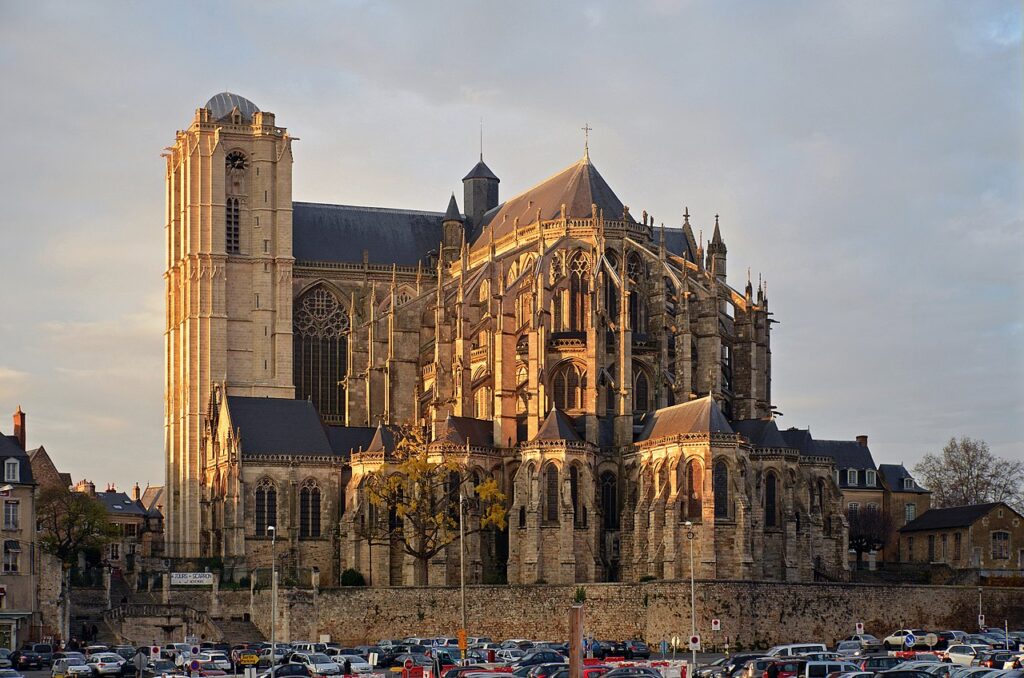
(481, 171)
(453, 213)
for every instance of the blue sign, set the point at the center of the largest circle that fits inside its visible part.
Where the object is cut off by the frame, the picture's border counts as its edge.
(664, 647)
(909, 640)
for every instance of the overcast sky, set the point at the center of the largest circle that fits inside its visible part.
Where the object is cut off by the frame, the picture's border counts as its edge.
(865, 157)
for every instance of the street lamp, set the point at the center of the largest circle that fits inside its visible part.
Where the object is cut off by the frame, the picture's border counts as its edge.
(979, 609)
(462, 571)
(273, 603)
(690, 536)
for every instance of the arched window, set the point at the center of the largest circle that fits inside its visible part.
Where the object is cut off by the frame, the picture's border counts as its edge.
(692, 483)
(720, 485)
(320, 348)
(567, 387)
(611, 292)
(770, 488)
(524, 308)
(821, 494)
(636, 271)
(579, 511)
(482, 402)
(551, 493)
(641, 392)
(609, 501)
(266, 506)
(232, 226)
(579, 288)
(309, 510)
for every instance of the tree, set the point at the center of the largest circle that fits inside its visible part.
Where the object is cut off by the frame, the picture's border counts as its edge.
(414, 501)
(870, 530)
(966, 472)
(71, 522)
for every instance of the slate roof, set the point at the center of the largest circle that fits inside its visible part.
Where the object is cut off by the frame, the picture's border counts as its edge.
(278, 426)
(760, 432)
(340, 233)
(849, 455)
(676, 243)
(481, 171)
(459, 430)
(11, 448)
(799, 439)
(152, 497)
(557, 426)
(577, 186)
(383, 440)
(345, 440)
(43, 468)
(894, 475)
(954, 516)
(453, 213)
(120, 504)
(221, 105)
(697, 416)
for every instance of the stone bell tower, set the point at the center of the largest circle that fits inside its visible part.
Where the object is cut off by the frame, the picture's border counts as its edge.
(228, 280)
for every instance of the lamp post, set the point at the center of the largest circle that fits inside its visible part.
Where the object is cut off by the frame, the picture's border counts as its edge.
(979, 609)
(273, 603)
(462, 570)
(690, 536)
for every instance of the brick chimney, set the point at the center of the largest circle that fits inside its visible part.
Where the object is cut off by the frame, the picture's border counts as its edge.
(136, 493)
(862, 440)
(19, 427)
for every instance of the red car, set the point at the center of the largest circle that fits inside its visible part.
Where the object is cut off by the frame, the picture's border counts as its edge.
(206, 669)
(788, 668)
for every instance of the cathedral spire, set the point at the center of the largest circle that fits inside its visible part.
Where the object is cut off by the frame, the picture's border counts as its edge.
(587, 129)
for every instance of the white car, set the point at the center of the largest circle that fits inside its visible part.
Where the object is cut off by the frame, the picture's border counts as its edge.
(317, 663)
(509, 655)
(895, 640)
(964, 654)
(356, 663)
(104, 663)
(71, 666)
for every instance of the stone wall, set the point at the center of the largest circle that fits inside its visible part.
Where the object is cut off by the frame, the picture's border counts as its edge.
(753, 614)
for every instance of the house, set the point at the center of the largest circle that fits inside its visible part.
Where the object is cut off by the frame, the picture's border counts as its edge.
(905, 500)
(985, 537)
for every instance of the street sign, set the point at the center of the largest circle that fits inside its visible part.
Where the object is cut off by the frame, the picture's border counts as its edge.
(154, 652)
(408, 664)
(372, 659)
(931, 640)
(716, 624)
(981, 620)
(694, 642)
(249, 659)
(462, 640)
(192, 640)
(194, 665)
(676, 641)
(860, 628)
(664, 647)
(195, 650)
(909, 640)
(191, 578)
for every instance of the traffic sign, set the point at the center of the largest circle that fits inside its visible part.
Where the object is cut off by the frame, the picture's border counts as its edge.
(195, 649)
(860, 628)
(462, 640)
(695, 642)
(931, 640)
(249, 659)
(664, 647)
(909, 640)
(716, 624)
(194, 665)
(408, 664)
(676, 641)
(154, 652)
(981, 620)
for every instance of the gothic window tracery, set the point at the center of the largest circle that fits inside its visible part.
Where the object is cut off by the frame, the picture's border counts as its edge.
(320, 345)
(720, 485)
(579, 511)
(771, 483)
(266, 506)
(609, 501)
(579, 290)
(567, 387)
(551, 493)
(641, 391)
(691, 500)
(309, 509)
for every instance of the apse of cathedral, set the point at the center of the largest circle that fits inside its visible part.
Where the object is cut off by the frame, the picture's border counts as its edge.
(597, 365)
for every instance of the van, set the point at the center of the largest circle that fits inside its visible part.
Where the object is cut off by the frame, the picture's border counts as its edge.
(796, 649)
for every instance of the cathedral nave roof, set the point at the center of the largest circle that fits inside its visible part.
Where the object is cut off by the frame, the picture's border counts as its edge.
(760, 432)
(278, 426)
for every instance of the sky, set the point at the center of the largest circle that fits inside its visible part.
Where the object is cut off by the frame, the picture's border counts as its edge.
(866, 158)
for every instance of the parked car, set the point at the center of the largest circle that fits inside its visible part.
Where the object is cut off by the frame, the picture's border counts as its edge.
(105, 663)
(992, 659)
(25, 660)
(70, 666)
(207, 669)
(820, 669)
(289, 671)
(10, 673)
(713, 670)
(356, 663)
(317, 662)
(754, 668)
(789, 668)
(964, 654)
(45, 652)
(879, 663)
(509, 655)
(794, 649)
(158, 667)
(867, 641)
(896, 639)
(632, 672)
(735, 664)
(540, 657)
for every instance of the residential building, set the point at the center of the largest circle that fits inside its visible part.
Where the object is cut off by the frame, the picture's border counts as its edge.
(985, 537)
(19, 579)
(905, 500)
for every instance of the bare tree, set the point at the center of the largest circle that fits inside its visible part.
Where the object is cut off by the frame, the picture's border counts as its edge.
(870, 529)
(966, 472)
(414, 501)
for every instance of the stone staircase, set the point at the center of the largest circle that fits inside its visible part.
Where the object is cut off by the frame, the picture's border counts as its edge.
(238, 631)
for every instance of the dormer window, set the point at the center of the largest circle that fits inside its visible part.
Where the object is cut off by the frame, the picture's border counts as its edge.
(851, 476)
(12, 471)
(869, 478)
(908, 483)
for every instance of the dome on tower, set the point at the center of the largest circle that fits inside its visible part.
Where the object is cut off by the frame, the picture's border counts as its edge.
(222, 104)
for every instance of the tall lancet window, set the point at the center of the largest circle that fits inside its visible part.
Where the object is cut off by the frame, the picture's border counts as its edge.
(235, 165)
(568, 386)
(579, 289)
(320, 346)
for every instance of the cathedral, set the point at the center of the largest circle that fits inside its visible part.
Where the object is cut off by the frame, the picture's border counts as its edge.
(598, 366)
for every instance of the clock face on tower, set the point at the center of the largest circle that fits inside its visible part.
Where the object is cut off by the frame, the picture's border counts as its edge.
(236, 161)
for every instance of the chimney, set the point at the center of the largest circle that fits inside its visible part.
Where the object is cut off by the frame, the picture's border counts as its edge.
(19, 427)
(136, 492)
(862, 441)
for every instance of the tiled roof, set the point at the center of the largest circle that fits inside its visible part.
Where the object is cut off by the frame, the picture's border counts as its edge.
(340, 233)
(577, 187)
(278, 426)
(697, 416)
(954, 516)
(120, 504)
(557, 426)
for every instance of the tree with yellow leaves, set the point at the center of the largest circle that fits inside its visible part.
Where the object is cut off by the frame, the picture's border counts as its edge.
(414, 500)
